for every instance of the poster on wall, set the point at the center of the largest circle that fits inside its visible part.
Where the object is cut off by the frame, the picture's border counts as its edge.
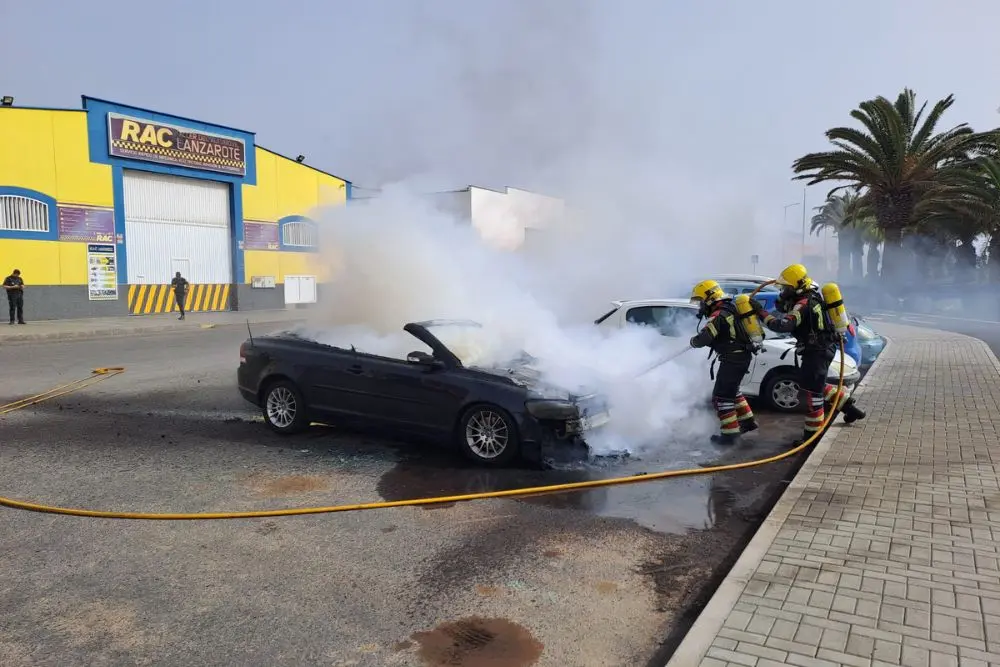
(102, 272)
(260, 235)
(88, 224)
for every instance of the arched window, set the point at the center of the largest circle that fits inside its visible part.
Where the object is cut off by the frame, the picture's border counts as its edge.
(298, 233)
(27, 214)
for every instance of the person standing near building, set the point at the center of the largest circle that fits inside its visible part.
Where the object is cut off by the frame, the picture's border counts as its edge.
(180, 287)
(14, 286)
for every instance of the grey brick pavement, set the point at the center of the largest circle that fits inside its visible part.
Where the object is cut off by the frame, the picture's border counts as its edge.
(885, 549)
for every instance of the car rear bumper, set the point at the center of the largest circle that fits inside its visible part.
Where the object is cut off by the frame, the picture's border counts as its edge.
(248, 393)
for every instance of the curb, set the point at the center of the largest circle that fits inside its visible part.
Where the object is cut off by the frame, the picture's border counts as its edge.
(130, 331)
(698, 640)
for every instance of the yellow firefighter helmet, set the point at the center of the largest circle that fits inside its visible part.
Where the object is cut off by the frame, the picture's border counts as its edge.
(795, 276)
(707, 291)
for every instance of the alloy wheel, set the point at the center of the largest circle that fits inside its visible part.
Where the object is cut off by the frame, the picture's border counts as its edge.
(281, 407)
(487, 434)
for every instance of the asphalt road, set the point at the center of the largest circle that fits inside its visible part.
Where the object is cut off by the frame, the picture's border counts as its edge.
(595, 578)
(984, 329)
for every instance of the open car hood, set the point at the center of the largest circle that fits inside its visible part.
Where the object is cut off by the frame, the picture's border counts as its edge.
(522, 373)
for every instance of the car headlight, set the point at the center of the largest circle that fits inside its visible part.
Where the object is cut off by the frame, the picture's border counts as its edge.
(552, 409)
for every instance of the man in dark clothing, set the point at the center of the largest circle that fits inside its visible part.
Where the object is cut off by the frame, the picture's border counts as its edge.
(14, 286)
(802, 312)
(735, 350)
(180, 286)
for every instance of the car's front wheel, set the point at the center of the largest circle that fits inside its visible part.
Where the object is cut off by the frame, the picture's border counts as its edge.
(781, 392)
(284, 409)
(488, 435)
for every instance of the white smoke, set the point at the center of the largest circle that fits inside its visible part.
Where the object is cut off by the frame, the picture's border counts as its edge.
(399, 260)
(530, 94)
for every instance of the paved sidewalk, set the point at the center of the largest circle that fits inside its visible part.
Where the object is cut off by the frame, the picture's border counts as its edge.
(136, 325)
(885, 549)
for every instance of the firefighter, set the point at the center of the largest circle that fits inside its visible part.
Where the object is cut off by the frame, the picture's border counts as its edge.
(727, 339)
(801, 311)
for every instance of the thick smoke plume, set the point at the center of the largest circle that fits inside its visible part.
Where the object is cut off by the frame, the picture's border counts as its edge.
(530, 95)
(400, 260)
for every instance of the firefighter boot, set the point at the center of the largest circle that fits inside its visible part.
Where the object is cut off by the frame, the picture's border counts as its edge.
(745, 415)
(724, 438)
(852, 412)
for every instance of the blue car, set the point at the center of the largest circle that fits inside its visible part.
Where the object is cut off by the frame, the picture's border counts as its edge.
(870, 341)
(768, 296)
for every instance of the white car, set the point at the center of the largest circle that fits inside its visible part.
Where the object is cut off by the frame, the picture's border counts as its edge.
(772, 376)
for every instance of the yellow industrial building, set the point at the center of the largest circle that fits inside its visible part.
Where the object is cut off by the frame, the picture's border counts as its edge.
(101, 206)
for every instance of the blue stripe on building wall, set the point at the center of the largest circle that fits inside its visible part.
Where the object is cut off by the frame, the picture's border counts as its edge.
(118, 192)
(236, 204)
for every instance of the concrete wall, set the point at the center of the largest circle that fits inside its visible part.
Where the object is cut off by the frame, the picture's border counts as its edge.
(52, 302)
(502, 217)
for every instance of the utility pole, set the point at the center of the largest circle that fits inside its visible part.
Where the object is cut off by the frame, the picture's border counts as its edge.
(784, 229)
(803, 224)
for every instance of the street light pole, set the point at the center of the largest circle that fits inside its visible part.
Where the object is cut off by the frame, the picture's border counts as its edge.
(784, 228)
(803, 223)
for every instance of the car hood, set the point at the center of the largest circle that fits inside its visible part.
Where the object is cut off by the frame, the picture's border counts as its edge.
(524, 374)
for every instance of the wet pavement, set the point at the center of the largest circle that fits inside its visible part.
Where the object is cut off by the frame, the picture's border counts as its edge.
(460, 585)
(673, 506)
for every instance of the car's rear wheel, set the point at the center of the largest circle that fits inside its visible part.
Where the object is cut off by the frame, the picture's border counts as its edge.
(782, 393)
(488, 435)
(284, 409)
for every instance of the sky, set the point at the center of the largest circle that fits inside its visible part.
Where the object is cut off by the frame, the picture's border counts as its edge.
(705, 103)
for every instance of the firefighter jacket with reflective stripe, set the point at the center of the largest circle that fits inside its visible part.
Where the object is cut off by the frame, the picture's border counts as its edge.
(722, 333)
(804, 317)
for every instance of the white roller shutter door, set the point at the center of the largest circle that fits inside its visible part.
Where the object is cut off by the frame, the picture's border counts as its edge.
(173, 222)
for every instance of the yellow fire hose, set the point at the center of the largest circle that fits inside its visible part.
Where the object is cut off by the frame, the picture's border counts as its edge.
(101, 374)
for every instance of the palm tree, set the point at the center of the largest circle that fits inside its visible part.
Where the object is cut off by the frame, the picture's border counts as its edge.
(988, 193)
(898, 160)
(839, 213)
(871, 238)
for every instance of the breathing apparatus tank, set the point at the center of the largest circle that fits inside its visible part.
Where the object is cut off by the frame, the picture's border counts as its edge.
(748, 318)
(835, 307)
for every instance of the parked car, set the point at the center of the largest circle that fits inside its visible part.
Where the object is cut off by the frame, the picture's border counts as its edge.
(772, 377)
(768, 297)
(870, 342)
(494, 415)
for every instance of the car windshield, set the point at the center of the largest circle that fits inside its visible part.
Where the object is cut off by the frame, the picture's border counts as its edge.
(473, 344)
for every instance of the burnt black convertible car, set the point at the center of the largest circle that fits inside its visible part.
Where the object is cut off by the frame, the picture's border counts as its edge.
(493, 415)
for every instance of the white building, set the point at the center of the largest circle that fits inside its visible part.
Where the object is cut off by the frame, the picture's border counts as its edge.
(503, 218)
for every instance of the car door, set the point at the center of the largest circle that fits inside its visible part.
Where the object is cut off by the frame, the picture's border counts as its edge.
(338, 382)
(415, 396)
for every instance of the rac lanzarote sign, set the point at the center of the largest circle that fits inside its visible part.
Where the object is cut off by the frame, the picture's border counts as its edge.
(138, 139)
